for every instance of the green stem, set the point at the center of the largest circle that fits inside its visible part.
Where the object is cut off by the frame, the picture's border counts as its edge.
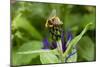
(60, 50)
(76, 40)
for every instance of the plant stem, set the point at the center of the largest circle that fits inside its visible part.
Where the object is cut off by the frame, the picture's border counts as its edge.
(60, 50)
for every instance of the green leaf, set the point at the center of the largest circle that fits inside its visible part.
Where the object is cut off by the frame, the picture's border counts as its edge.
(21, 22)
(23, 59)
(86, 49)
(48, 58)
(76, 40)
(73, 58)
(30, 46)
(34, 52)
(18, 59)
(39, 51)
(29, 51)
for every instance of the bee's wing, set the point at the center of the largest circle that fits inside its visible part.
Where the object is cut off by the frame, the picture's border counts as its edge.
(53, 13)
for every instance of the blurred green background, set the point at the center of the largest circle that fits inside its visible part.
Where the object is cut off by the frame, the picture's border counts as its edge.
(28, 29)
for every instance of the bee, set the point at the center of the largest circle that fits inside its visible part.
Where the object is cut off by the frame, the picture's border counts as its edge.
(54, 24)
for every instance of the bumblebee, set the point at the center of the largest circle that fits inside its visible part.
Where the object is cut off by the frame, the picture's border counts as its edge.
(53, 22)
(55, 27)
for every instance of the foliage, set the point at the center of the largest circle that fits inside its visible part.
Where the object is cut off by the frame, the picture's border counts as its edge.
(28, 31)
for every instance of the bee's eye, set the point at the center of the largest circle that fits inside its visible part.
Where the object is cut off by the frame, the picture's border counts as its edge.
(49, 21)
(53, 19)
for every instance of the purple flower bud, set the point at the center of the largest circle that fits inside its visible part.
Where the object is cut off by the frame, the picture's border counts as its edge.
(46, 44)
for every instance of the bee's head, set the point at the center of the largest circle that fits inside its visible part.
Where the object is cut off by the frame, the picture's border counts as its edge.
(54, 21)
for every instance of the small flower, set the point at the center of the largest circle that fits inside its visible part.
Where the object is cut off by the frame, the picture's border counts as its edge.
(59, 38)
(65, 39)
